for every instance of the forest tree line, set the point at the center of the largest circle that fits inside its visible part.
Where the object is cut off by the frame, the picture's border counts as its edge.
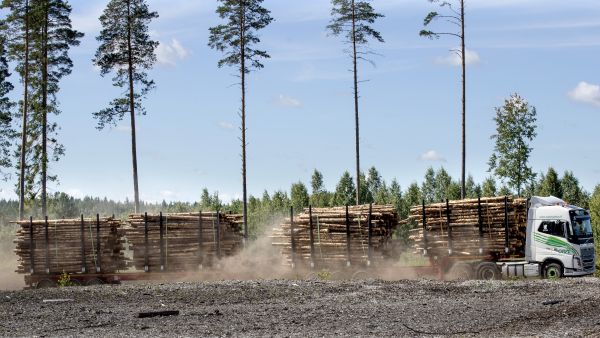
(268, 209)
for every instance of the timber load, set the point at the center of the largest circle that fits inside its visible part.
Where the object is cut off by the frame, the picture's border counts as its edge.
(183, 241)
(473, 227)
(92, 245)
(330, 237)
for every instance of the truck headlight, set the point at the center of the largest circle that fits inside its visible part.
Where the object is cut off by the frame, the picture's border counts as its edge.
(577, 262)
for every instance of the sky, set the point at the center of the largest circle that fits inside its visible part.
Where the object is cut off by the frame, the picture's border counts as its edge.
(300, 106)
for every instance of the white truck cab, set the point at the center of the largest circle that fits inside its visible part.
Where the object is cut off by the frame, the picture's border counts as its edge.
(559, 238)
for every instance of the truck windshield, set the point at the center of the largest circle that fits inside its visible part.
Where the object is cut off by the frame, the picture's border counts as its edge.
(582, 227)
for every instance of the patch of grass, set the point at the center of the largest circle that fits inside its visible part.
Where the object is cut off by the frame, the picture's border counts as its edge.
(65, 280)
(324, 275)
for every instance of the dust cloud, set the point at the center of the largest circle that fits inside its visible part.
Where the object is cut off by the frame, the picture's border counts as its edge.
(259, 260)
(9, 279)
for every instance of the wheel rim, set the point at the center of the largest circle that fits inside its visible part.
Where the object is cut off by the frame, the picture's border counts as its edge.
(488, 274)
(553, 272)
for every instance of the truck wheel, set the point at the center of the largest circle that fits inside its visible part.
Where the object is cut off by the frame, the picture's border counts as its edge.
(488, 271)
(46, 283)
(553, 271)
(360, 274)
(460, 271)
(74, 282)
(94, 281)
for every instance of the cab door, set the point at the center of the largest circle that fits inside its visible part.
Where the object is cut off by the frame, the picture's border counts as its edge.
(551, 242)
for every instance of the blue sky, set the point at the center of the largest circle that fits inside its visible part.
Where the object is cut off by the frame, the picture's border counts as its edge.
(300, 108)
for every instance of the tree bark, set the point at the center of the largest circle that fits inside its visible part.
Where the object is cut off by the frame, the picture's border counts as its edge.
(243, 79)
(356, 104)
(132, 111)
(25, 112)
(464, 100)
(45, 112)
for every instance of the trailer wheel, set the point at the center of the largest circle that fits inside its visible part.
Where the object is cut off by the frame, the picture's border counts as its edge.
(94, 281)
(488, 271)
(74, 282)
(553, 271)
(360, 274)
(460, 271)
(311, 276)
(46, 283)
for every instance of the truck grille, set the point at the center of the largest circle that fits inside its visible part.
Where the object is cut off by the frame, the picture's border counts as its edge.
(587, 257)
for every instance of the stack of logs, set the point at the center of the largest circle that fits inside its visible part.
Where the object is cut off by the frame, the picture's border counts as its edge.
(339, 236)
(183, 241)
(70, 246)
(471, 227)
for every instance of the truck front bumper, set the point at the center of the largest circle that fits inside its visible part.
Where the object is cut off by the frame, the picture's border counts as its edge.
(577, 273)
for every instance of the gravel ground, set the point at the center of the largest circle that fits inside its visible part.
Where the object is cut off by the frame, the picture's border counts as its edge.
(569, 307)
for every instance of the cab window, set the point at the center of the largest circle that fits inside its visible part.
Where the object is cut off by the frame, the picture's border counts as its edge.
(552, 228)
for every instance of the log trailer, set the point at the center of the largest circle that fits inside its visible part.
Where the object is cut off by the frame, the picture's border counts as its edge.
(90, 251)
(558, 242)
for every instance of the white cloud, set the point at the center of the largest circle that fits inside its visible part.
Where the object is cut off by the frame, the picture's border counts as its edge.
(453, 59)
(432, 155)
(86, 19)
(586, 93)
(170, 53)
(288, 101)
(226, 125)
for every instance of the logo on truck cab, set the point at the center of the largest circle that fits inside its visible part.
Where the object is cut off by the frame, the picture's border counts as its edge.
(555, 244)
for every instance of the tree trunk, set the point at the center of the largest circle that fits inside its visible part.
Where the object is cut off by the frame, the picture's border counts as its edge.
(358, 201)
(45, 112)
(132, 111)
(243, 79)
(464, 99)
(25, 111)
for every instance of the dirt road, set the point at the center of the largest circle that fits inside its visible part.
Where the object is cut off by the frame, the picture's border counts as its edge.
(568, 307)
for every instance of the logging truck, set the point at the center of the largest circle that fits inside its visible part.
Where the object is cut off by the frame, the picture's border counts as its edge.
(542, 236)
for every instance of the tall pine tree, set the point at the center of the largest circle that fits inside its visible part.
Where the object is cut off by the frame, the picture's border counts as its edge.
(236, 39)
(52, 39)
(43, 38)
(6, 132)
(456, 16)
(353, 19)
(18, 28)
(126, 50)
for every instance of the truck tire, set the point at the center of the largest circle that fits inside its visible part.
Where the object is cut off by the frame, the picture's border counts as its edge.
(360, 275)
(94, 281)
(460, 271)
(46, 283)
(553, 271)
(488, 271)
